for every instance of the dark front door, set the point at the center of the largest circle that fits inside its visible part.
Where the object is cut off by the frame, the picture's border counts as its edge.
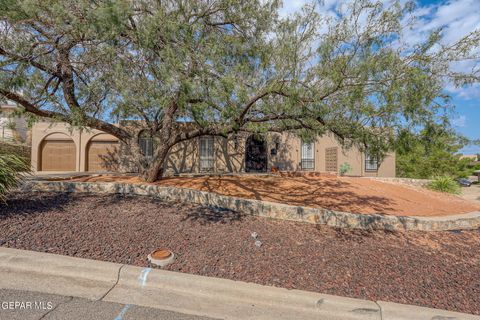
(255, 155)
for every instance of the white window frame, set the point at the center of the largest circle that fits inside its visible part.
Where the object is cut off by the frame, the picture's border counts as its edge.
(307, 156)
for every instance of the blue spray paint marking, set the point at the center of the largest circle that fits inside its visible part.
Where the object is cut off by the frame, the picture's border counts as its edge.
(122, 313)
(142, 279)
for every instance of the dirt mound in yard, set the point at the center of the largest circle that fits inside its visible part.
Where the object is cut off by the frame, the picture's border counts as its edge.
(349, 194)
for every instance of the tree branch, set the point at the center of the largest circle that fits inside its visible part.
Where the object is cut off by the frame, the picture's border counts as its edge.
(89, 121)
(30, 61)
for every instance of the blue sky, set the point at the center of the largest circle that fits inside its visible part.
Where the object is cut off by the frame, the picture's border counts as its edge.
(457, 18)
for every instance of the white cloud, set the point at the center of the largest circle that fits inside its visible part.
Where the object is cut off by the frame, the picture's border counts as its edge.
(291, 6)
(468, 92)
(460, 122)
(456, 17)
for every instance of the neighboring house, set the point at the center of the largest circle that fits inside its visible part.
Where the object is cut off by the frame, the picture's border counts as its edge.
(12, 128)
(473, 157)
(57, 147)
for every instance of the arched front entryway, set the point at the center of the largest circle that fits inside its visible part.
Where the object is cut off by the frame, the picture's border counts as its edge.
(255, 155)
(57, 153)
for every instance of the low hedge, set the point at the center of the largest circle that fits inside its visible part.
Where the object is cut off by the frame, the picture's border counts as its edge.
(19, 150)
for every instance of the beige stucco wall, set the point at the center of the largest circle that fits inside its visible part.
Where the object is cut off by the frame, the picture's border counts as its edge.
(353, 156)
(228, 154)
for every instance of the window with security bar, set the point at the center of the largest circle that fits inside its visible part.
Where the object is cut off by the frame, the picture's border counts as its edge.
(146, 144)
(308, 156)
(206, 154)
(371, 162)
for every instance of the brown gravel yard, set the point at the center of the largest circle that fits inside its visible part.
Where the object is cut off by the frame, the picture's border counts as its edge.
(440, 269)
(350, 194)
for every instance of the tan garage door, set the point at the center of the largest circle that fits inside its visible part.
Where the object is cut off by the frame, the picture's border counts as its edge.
(101, 156)
(57, 155)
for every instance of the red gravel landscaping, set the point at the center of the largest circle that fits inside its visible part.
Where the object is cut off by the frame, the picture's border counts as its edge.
(349, 194)
(439, 269)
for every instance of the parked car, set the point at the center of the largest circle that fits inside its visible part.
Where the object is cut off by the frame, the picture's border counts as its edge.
(464, 182)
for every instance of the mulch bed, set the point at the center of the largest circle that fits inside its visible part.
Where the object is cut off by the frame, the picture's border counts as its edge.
(440, 270)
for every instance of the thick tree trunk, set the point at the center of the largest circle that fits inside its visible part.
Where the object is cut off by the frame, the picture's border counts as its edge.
(155, 169)
(167, 139)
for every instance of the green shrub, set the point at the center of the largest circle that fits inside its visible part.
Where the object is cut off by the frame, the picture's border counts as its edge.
(21, 151)
(12, 171)
(473, 168)
(345, 168)
(444, 184)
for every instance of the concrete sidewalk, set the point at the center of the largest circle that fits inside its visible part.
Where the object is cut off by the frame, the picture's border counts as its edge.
(99, 283)
(44, 306)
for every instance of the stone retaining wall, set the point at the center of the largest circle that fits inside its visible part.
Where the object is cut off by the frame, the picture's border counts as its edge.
(266, 208)
(407, 181)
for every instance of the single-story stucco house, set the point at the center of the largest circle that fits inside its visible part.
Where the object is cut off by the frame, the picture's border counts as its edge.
(56, 147)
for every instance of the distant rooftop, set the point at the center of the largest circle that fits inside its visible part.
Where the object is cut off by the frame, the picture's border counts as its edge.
(8, 105)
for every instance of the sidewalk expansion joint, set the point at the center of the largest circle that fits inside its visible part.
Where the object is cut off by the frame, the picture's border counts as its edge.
(70, 298)
(380, 309)
(114, 285)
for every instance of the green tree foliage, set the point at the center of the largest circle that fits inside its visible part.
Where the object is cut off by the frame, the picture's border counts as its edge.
(431, 152)
(224, 67)
(12, 171)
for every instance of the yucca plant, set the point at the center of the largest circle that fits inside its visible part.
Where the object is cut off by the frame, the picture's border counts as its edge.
(12, 171)
(444, 184)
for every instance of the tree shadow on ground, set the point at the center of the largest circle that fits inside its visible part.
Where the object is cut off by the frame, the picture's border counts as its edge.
(108, 199)
(213, 215)
(360, 235)
(202, 214)
(23, 204)
(305, 191)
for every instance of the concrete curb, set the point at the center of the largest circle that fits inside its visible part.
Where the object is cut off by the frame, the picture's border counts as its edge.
(269, 209)
(191, 294)
(55, 274)
(227, 299)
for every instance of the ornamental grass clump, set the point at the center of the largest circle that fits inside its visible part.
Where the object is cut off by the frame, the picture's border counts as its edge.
(444, 184)
(12, 171)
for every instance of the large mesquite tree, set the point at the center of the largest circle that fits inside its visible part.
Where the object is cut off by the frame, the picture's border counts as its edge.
(223, 67)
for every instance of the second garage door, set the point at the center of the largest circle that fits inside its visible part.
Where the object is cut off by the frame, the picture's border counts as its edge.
(101, 156)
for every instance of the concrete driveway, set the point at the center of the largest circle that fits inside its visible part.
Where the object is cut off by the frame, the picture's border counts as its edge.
(472, 192)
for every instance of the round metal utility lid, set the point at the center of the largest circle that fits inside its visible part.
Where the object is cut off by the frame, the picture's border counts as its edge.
(161, 257)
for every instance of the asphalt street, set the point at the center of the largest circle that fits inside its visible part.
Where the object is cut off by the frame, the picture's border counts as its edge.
(25, 305)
